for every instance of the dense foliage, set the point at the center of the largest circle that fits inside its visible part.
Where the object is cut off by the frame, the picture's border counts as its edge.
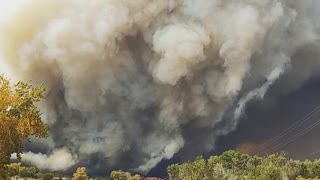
(15, 169)
(232, 165)
(81, 174)
(19, 119)
(121, 175)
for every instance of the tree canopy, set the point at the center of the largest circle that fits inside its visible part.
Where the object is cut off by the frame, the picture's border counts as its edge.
(81, 174)
(233, 165)
(19, 119)
(121, 175)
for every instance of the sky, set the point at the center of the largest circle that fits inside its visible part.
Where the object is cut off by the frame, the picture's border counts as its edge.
(6, 8)
(7, 5)
(268, 119)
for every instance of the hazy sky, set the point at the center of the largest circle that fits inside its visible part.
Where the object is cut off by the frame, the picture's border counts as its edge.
(8, 5)
(6, 8)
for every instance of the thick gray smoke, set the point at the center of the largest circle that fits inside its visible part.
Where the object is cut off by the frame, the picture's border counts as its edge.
(134, 82)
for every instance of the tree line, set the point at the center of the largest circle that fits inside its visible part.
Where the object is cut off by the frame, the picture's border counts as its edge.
(16, 169)
(233, 165)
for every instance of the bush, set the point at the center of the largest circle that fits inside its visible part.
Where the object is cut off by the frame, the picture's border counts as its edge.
(234, 165)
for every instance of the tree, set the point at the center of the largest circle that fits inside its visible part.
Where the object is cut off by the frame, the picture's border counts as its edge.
(120, 175)
(301, 178)
(44, 176)
(13, 169)
(19, 119)
(135, 177)
(28, 172)
(293, 169)
(80, 174)
(234, 165)
(312, 168)
(173, 171)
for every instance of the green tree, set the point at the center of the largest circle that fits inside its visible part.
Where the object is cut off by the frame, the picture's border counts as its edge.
(121, 175)
(173, 171)
(19, 119)
(233, 165)
(293, 169)
(13, 169)
(234, 160)
(28, 172)
(312, 168)
(302, 178)
(270, 168)
(44, 176)
(217, 171)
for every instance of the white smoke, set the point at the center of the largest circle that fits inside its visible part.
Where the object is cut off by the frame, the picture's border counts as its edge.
(259, 92)
(59, 160)
(182, 48)
(146, 79)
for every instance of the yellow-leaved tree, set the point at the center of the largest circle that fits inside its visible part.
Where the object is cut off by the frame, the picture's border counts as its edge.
(81, 174)
(19, 119)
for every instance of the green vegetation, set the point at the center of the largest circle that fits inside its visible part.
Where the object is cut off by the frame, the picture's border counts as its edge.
(121, 175)
(233, 165)
(32, 173)
(15, 169)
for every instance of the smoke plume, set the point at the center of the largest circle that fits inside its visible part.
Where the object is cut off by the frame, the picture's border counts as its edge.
(131, 83)
(59, 160)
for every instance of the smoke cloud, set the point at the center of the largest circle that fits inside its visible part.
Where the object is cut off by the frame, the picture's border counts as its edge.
(136, 82)
(59, 160)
